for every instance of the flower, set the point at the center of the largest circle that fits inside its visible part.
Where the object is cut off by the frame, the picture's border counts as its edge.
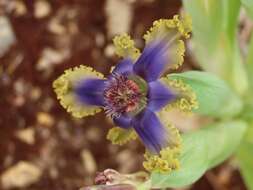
(134, 94)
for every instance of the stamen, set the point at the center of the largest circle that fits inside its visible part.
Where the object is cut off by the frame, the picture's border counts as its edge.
(124, 94)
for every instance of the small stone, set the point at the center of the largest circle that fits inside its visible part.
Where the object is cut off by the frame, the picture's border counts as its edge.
(42, 9)
(88, 161)
(50, 57)
(125, 162)
(53, 173)
(35, 93)
(47, 104)
(26, 135)
(100, 39)
(7, 36)
(93, 134)
(20, 175)
(56, 27)
(8, 160)
(45, 119)
(19, 8)
(119, 16)
(18, 101)
(20, 86)
(109, 50)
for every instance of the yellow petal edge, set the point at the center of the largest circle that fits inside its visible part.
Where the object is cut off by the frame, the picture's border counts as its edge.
(124, 47)
(167, 160)
(186, 100)
(175, 30)
(176, 54)
(181, 27)
(63, 87)
(121, 136)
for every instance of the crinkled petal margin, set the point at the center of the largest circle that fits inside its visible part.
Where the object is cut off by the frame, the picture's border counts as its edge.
(167, 159)
(124, 47)
(175, 28)
(176, 54)
(64, 89)
(121, 136)
(172, 31)
(186, 99)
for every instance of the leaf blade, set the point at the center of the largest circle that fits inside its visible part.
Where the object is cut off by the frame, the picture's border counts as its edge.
(214, 96)
(205, 156)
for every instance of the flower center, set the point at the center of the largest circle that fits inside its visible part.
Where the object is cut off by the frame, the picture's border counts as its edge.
(125, 94)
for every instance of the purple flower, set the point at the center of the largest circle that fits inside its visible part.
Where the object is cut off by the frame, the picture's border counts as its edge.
(132, 93)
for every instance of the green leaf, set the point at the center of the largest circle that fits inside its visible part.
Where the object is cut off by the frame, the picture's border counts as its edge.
(205, 15)
(144, 186)
(214, 96)
(230, 135)
(244, 156)
(249, 65)
(231, 9)
(202, 150)
(214, 39)
(216, 18)
(248, 4)
(194, 163)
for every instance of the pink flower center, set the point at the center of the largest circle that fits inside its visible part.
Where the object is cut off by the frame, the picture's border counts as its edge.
(123, 95)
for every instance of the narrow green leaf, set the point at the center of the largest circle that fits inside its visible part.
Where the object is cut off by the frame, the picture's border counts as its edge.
(248, 4)
(214, 96)
(144, 186)
(205, 15)
(249, 65)
(215, 25)
(202, 150)
(231, 12)
(245, 155)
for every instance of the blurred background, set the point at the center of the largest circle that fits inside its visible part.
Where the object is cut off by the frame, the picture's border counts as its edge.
(41, 146)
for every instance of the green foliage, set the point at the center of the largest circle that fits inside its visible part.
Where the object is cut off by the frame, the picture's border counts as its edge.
(245, 155)
(248, 4)
(249, 64)
(215, 45)
(202, 150)
(214, 96)
(214, 41)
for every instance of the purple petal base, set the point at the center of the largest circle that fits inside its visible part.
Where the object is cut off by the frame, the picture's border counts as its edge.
(90, 91)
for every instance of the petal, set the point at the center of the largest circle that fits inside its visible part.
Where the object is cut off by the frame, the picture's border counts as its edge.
(91, 91)
(185, 98)
(64, 88)
(124, 47)
(158, 95)
(168, 158)
(121, 136)
(179, 27)
(171, 32)
(152, 133)
(123, 121)
(152, 62)
(124, 66)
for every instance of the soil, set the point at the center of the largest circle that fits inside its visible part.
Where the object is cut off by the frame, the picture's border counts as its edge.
(69, 151)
